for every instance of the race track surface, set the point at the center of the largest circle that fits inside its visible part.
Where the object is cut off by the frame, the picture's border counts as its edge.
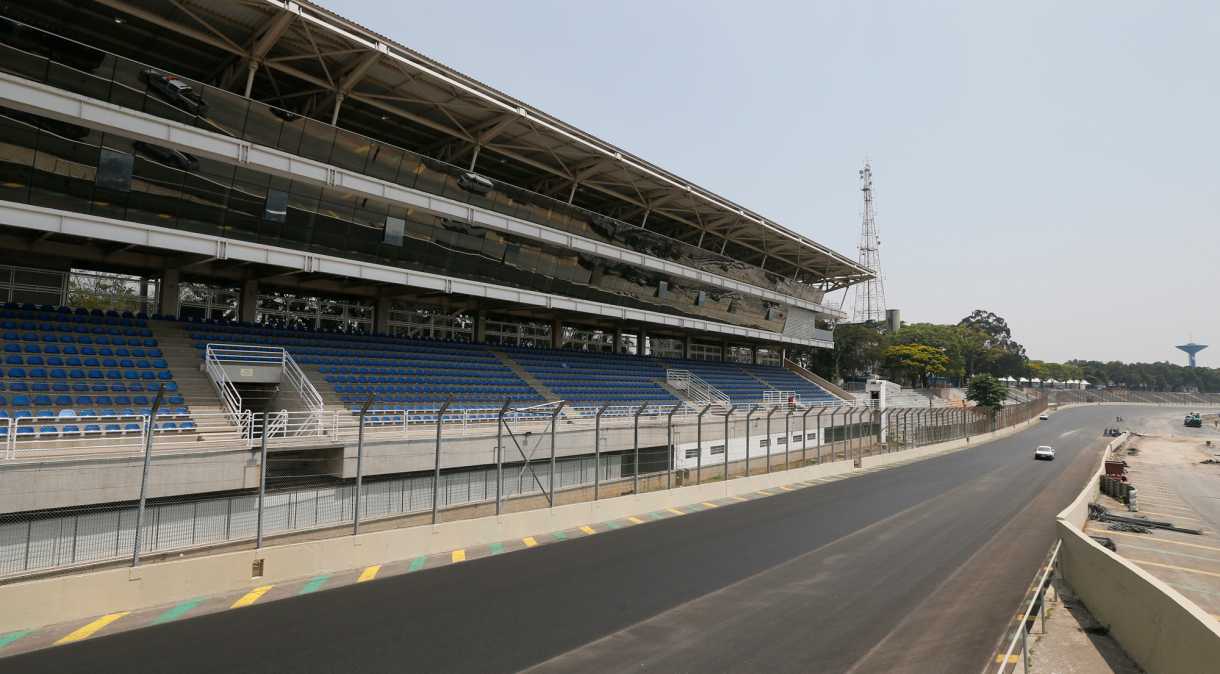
(914, 569)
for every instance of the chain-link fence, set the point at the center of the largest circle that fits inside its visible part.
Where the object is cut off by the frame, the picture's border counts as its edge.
(302, 491)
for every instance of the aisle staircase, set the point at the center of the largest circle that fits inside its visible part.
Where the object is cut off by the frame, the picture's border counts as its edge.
(193, 383)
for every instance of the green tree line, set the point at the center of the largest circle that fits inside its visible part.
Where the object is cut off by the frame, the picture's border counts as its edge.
(983, 343)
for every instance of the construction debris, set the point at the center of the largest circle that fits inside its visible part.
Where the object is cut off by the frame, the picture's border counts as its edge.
(1129, 528)
(1102, 514)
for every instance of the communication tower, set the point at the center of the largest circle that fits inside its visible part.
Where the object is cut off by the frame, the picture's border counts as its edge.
(869, 303)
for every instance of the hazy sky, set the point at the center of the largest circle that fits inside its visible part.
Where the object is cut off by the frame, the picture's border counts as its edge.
(1056, 163)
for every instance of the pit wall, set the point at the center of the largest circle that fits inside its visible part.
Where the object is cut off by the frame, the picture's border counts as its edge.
(82, 595)
(1162, 630)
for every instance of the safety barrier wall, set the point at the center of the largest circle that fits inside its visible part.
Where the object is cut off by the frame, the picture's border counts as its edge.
(1162, 630)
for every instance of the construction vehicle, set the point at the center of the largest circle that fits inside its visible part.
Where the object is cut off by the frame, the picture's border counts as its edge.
(1193, 420)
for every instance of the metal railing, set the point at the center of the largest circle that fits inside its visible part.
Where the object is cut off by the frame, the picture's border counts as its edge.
(696, 388)
(1036, 602)
(226, 390)
(217, 356)
(774, 397)
(532, 461)
(24, 438)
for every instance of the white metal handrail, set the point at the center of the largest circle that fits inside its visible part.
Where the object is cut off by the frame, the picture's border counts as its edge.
(774, 397)
(296, 378)
(214, 358)
(291, 374)
(696, 388)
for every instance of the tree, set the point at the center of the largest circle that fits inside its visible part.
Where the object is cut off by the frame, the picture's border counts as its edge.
(987, 392)
(1004, 355)
(920, 361)
(858, 349)
(965, 346)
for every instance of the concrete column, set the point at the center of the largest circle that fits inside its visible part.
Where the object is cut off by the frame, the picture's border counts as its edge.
(641, 342)
(381, 316)
(686, 347)
(167, 303)
(618, 340)
(724, 350)
(480, 326)
(248, 304)
(556, 334)
(754, 355)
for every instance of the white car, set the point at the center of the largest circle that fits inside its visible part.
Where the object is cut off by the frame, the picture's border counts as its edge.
(1044, 452)
(1044, 416)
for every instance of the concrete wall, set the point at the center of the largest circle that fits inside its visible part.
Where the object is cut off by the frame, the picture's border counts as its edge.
(44, 601)
(35, 486)
(1162, 630)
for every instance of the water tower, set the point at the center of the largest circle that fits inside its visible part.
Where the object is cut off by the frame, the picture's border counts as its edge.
(1191, 349)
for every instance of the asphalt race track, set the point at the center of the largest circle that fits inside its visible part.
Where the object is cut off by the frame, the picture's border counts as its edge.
(914, 569)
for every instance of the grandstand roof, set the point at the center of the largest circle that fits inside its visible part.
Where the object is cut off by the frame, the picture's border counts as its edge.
(318, 63)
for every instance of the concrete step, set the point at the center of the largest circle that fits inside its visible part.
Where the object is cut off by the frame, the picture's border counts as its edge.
(536, 384)
(193, 384)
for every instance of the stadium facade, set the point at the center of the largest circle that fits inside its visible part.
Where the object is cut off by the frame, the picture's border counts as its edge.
(211, 211)
(257, 161)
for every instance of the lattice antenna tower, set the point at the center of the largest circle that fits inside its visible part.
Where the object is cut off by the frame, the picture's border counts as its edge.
(870, 296)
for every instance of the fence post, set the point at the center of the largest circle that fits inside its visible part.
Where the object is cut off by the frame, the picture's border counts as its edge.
(748, 415)
(878, 417)
(554, 423)
(436, 462)
(597, 448)
(364, 410)
(699, 443)
(669, 441)
(635, 443)
(728, 413)
(805, 434)
(262, 484)
(769, 438)
(787, 439)
(819, 432)
(500, 453)
(148, 441)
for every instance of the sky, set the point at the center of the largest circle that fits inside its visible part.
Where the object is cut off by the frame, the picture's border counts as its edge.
(1056, 163)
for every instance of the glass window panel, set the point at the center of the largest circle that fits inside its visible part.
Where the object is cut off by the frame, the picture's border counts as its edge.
(114, 170)
(394, 228)
(276, 209)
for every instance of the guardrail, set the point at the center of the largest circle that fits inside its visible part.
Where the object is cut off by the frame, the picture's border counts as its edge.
(1038, 601)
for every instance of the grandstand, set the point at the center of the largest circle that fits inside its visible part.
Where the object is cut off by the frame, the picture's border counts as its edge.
(288, 214)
